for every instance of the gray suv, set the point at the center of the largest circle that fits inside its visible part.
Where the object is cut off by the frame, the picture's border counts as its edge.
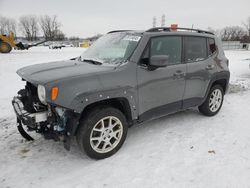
(126, 77)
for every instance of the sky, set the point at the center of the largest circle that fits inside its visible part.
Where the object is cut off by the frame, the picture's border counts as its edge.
(86, 18)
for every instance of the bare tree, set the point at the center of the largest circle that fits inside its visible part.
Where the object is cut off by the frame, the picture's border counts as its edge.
(29, 26)
(215, 31)
(7, 25)
(50, 27)
(247, 25)
(74, 38)
(59, 35)
(232, 33)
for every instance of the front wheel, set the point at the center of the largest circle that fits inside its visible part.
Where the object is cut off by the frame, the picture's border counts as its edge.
(214, 101)
(102, 132)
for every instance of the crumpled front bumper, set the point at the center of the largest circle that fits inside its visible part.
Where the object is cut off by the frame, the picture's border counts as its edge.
(32, 120)
(29, 119)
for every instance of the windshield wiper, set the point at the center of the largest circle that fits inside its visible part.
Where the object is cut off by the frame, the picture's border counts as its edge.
(95, 62)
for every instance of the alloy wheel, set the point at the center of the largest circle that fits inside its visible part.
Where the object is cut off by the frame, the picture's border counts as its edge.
(106, 134)
(215, 100)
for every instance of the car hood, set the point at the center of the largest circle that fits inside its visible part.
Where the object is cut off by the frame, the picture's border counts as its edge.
(56, 71)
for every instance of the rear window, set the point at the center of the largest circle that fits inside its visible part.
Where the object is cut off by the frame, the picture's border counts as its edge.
(195, 49)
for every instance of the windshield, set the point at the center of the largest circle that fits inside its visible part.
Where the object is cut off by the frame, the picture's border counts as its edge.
(112, 48)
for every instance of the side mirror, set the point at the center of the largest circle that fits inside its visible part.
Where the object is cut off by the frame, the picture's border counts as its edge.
(159, 61)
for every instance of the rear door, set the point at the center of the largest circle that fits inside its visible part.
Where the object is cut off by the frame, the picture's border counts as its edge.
(200, 68)
(161, 90)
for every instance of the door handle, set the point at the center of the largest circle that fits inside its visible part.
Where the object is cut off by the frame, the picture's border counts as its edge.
(179, 74)
(210, 67)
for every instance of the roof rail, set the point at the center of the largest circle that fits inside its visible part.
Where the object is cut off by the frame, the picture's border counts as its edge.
(169, 29)
(116, 31)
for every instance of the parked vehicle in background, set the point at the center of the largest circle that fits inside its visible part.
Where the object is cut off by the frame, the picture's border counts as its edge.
(124, 78)
(68, 45)
(56, 46)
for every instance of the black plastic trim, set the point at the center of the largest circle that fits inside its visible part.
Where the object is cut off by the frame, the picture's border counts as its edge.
(160, 111)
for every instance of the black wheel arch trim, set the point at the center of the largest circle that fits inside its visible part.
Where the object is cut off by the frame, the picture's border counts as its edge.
(224, 75)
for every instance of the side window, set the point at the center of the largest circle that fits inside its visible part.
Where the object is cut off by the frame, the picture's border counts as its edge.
(195, 49)
(211, 46)
(167, 45)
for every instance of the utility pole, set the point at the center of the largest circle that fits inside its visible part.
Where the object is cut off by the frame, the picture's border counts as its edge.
(163, 20)
(154, 21)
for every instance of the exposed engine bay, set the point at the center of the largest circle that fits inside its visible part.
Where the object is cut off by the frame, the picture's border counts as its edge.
(51, 121)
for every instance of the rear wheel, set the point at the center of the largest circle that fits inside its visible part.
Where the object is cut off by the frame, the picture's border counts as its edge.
(102, 132)
(5, 47)
(214, 101)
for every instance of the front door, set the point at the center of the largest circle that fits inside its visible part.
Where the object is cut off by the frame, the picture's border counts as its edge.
(161, 90)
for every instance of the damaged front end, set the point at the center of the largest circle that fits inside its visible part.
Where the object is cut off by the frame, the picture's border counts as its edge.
(52, 121)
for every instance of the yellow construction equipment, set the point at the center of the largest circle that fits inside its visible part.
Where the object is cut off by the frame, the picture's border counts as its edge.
(7, 43)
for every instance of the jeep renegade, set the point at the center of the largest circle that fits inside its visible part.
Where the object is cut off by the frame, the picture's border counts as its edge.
(125, 77)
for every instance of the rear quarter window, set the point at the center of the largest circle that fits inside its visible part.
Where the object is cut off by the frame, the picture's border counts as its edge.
(211, 46)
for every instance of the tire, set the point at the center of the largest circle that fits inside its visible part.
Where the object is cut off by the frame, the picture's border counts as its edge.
(96, 137)
(209, 107)
(5, 47)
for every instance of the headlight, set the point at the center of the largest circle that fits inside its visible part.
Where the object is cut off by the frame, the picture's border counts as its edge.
(41, 93)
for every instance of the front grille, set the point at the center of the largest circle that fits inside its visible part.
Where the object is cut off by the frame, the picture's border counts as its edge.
(31, 89)
(29, 97)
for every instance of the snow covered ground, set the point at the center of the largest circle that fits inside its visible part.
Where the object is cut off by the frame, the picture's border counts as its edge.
(185, 149)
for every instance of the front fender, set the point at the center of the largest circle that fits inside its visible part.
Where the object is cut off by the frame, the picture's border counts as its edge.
(81, 101)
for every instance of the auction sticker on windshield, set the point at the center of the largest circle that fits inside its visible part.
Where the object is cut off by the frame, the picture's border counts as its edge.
(132, 38)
